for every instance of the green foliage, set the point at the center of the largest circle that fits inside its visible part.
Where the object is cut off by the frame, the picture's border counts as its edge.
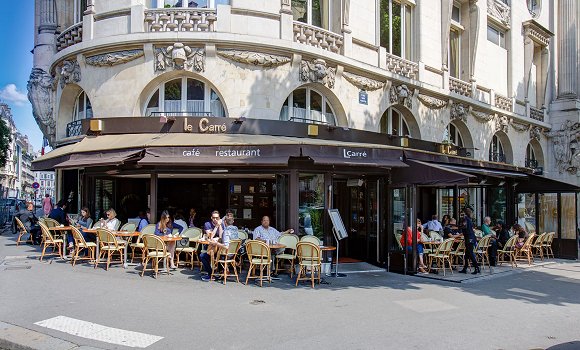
(4, 142)
(384, 18)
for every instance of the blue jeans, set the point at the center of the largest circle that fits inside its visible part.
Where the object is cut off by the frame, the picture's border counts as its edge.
(206, 262)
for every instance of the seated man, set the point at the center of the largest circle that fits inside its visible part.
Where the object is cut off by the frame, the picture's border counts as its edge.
(265, 232)
(433, 225)
(30, 221)
(213, 230)
(452, 230)
(487, 231)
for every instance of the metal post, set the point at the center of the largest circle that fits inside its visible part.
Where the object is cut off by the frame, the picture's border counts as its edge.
(336, 274)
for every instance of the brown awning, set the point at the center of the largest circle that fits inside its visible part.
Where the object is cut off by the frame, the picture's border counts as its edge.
(354, 156)
(95, 159)
(501, 174)
(422, 173)
(273, 155)
(541, 184)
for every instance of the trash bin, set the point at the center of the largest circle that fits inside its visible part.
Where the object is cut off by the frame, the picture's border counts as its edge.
(326, 268)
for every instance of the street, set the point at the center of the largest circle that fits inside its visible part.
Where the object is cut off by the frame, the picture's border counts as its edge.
(532, 309)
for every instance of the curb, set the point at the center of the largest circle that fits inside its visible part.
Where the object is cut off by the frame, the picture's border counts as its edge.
(19, 338)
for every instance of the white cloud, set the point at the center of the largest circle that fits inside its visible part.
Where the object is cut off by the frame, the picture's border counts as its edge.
(11, 94)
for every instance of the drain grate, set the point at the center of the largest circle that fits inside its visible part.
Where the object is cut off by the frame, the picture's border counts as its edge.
(257, 302)
(17, 267)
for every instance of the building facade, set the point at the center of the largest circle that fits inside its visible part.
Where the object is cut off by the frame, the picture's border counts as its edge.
(46, 180)
(345, 92)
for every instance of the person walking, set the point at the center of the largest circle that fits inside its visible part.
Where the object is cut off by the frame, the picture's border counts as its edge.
(470, 241)
(47, 204)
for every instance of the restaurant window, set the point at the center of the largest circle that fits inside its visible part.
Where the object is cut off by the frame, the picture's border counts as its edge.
(496, 36)
(313, 12)
(398, 215)
(185, 96)
(548, 212)
(453, 135)
(393, 123)
(395, 20)
(306, 105)
(311, 204)
(496, 200)
(568, 205)
(526, 211)
(496, 151)
(83, 108)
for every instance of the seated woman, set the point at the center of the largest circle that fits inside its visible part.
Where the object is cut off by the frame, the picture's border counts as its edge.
(85, 221)
(522, 235)
(407, 240)
(111, 223)
(164, 228)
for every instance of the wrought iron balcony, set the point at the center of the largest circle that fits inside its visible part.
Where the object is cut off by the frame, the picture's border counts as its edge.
(531, 163)
(497, 157)
(74, 128)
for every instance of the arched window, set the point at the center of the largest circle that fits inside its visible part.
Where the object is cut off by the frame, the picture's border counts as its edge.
(496, 150)
(393, 123)
(83, 108)
(306, 105)
(194, 3)
(454, 136)
(531, 161)
(185, 96)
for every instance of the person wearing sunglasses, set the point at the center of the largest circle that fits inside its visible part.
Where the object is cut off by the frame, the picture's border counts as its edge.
(212, 229)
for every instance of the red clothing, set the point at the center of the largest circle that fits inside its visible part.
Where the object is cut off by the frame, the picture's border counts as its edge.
(410, 238)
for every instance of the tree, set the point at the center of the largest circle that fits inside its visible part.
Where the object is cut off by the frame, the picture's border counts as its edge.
(5, 139)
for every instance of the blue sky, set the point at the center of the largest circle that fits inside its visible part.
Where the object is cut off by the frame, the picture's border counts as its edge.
(16, 41)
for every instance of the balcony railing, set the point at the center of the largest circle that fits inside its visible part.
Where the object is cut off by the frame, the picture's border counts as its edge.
(537, 113)
(317, 37)
(302, 115)
(401, 66)
(531, 163)
(460, 87)
(70, 36)
(74, 128)
(497, 157)
(503, 102)
(180, 20)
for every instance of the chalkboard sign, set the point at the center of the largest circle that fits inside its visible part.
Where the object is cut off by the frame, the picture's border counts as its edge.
(339, 229)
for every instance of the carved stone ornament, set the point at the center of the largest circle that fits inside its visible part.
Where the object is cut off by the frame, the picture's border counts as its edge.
(317, 72)
(363, 83)
(535, 133)
(254, 58)
(431, 102)
(500, 11)
(41, 95)
(113, 58)
(70, 72)
(519, 127)
(502, 123)
(566, 152)
(459, 111)
(179, 57)
(482, 117)
(401, 95)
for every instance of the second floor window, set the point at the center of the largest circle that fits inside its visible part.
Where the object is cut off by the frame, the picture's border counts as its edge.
(83, 108)
(194, 3)
(396, 31)
(496, 152)
(313, 12)
(496, 36)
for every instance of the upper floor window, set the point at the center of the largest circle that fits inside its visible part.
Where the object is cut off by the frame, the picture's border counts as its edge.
(393, 123)
(306, 105)
(531, 161)
(456, 13)
(453, 135)
(496, 151)
(193, 3)
(313, 12)
(185, 96)
(496, 36)
(80, 6)
(396, 27)
(83, 108)
(534, 7)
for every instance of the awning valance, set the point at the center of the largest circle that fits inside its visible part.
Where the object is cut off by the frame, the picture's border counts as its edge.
(354, 156)
(423, 173)
(94, 159)
(541, 184)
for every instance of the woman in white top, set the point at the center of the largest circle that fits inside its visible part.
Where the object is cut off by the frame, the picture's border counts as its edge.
(112, 223)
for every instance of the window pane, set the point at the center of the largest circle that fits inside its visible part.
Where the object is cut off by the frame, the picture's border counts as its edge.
(455, 14)
(330, 119)
(316, 107)
(527, 211)
(454, 53)
(398, 213)
(299, 104)
(548, 212)
(154, 101)
(384, 24)
(497, 203)
(195, 90)
(172, 101)
(405, 130)
(311, 204)
(408, 33)
(395, 123)
(217, 109)
(320, 13)
(300, 10)
(492, 35)
(568, 216)
(81, 102)
(397, 32)
(89, 109)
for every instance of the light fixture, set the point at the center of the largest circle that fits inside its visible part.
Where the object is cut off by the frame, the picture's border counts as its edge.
(501, 183)
(482, 182)
(217, 171)
(165, 119)
(239, 120)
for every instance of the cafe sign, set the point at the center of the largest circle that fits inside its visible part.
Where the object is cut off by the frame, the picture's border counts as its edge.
(204, 126)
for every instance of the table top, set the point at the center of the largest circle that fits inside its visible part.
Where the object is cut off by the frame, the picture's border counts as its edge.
(432, 243)
(171, 239)
(325, 247)
(276, 246)
(60, 228)
(126, 234)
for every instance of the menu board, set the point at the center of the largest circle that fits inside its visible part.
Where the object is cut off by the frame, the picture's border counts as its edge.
(339, 229)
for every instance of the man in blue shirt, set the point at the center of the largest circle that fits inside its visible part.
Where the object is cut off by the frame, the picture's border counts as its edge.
(433, 225)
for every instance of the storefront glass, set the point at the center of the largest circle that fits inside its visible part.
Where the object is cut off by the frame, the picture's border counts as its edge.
(496, 204)
(398, 216)
(526, 211)
(311, 204)
(445, 202)
(568, 216)
(548, 212)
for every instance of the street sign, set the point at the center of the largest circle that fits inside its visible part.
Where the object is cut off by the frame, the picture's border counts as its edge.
(363, 97)
(35, 185)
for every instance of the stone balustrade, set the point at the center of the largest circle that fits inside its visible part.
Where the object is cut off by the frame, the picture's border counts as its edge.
(70, 36)
(317, 37)
(401, 66)
(180, 20)
(503, 102)
(460, 87)
(537, 113)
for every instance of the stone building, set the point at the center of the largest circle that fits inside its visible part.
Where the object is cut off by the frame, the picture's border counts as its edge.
(8, 174)
(319, 103)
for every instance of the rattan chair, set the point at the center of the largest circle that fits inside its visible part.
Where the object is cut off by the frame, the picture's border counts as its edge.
(49, 241)
(156, 251)
(398, 239)
(309, 258)
(139, 245)
(129, 227)
(242, 235)
(290, 241)
(190, 236)
(226, 258)
(109, 245)
(458, 253)
(51, 222)
(425, 238)
(442, 254)
(259, 257)
(526, 250)
(481, 253)
(509, 250)
(538, 245)
(435, 236)
(548, 244)
(22, 231)
(310, 238)
(80, 244)
(478, 233)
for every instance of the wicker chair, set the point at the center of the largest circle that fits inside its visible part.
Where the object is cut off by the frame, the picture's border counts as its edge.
(526, 250)
(259, 257)
(435, 236)
(548, 245)
(290, 241)
(22, 231)
(309, 257)
(49, 241)
(51, 222)
(155, 251)
(442, 253)
(226, 257)
(109, 245)
(312, 239)
(509, 250)
(147, 230)
(481, 251)
(458, 253)
(80, 244)
(538, 245)
(190, 235)
(129, 227)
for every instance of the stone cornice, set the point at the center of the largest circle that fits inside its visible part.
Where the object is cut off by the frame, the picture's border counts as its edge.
(537, 32)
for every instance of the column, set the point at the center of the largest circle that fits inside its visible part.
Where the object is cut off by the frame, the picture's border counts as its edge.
(345, 30)
(153, 198)
(286, 21)
(567, 49)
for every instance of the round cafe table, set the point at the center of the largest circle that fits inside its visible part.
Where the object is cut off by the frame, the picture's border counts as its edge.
(274, 246)
(126, 235)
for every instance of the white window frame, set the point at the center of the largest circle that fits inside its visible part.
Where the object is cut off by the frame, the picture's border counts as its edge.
(457, 135)
(496, 142)
(325, 103)
(530, 153)
(501, 34)
(329, 19)
(86, 99)
(402, 121)
(404, 5)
